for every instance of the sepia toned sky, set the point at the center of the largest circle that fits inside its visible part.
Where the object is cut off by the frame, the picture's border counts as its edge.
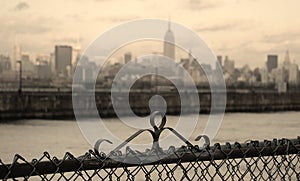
(245, 30)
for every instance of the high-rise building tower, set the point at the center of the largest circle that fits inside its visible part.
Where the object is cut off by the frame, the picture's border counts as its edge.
(286, 61)
(63, 59)
(272, 62)
(228, 65)
(219, 61)
(17, 53)
(293, 73)
(5, 63)
(52, 62)
(76, 53)
(127, 57)
(169, 43)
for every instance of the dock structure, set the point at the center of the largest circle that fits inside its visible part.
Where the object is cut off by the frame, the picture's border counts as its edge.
(57, 103)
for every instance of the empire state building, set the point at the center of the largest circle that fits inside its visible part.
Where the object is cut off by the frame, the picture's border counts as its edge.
(169, 43)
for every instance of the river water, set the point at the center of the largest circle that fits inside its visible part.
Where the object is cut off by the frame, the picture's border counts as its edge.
(30, 138)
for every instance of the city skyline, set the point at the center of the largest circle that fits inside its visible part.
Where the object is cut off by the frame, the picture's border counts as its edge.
(60, 65)
(159, 49)
(245, 30)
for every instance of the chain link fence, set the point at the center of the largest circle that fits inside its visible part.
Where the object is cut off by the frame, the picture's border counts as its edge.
(278, 159)
(266, 160)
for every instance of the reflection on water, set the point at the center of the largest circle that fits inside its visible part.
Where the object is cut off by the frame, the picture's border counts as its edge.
(31, 138)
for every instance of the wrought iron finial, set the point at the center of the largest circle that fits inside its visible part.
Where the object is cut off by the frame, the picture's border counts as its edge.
(155, 133)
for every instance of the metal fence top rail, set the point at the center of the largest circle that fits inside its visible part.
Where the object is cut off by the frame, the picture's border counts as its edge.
(92, 161)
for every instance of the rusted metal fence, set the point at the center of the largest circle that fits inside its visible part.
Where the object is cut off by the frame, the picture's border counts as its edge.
(277, 159)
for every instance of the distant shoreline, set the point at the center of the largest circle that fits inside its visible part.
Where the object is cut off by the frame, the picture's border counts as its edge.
(58, 105)
(9, 120)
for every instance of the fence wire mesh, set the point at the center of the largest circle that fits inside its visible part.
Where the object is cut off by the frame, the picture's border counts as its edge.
(254, 160)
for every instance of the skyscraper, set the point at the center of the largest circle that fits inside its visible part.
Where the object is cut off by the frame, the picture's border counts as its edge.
(5, 63)
(286, 61)
(127, 57)
(169, 43)
(228, 65)
(219, 61)
(272, 62)
(63, 59)
(52, 62)
(293, 73)
(17, 53)
(76, 53)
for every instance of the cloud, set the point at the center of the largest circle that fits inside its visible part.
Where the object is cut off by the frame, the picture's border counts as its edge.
(69, 39)
(202, 4)
(25, 26)
(247, 1)
(281, 37)
(115, 19)
(75, 17)
(32, 33)
(218, 27)
(121, 19)
(228, 26)
(21, 6)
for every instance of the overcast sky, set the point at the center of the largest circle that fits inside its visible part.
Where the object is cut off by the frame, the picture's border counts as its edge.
(246, 30)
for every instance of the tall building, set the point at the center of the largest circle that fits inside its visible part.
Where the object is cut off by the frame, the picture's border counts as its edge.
(17, 53)
(43, 66)
(293, 74)
(286, 61)
(43, 69)
(42, 58)
(219, 62)
(86, 71)
(52, 63)
(272, 62)
(25, 57)
(220, 59)
(127, 57)
(228, 65)
(28, 68)
(76, 54)
(280, 75)
(5, 63)
(264, 75)
(169, 43)
(63, 60)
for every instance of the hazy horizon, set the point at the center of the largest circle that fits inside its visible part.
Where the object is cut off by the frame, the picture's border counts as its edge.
(246, 30)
